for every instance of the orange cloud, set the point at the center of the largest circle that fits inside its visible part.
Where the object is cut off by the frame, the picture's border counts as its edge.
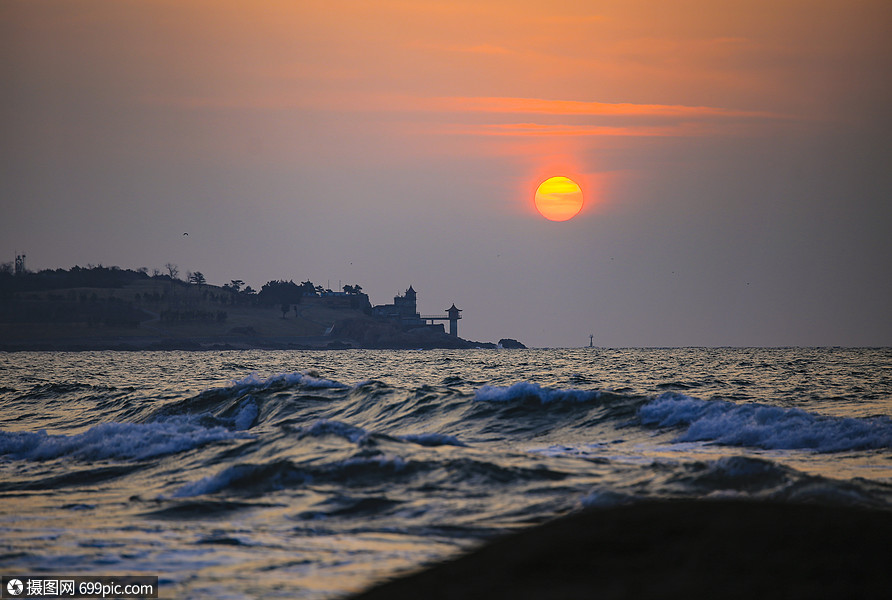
(503, 105)
(446, 114)
(575, 107)
(539, 130)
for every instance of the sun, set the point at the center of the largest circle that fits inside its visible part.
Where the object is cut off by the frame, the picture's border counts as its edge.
(559, 198)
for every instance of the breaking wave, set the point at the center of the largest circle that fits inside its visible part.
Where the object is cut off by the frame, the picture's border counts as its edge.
(527, 391)
(762, 426)
(114, 441)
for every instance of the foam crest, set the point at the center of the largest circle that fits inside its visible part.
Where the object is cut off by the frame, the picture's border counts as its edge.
(762, 426)
(114, 441)
(305, 379)
(526, 390)
(246, 415)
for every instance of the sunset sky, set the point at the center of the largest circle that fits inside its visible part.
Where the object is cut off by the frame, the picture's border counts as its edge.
(735, 157)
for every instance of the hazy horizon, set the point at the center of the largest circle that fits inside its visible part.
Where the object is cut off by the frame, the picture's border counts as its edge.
(734, 158)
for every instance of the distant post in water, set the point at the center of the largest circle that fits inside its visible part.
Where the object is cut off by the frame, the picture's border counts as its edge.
(454, 316)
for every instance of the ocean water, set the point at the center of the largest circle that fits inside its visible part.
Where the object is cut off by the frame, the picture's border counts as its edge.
(281, 474)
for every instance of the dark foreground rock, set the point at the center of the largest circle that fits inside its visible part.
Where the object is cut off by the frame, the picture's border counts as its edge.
(674, 550)
(511, 344)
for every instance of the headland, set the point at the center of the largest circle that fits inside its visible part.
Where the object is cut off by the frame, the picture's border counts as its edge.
(109, 308)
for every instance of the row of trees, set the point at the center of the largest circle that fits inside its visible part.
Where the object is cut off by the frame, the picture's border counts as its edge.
(276, 292)
(285, 293)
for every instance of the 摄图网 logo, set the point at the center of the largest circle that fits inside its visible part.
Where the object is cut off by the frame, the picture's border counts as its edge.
(15, 587)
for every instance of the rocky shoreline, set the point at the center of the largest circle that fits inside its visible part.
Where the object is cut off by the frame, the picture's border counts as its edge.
(219, 343)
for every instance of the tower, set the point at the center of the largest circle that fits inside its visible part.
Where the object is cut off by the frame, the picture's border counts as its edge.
(454, 315)
(411, 300)
(406, 305)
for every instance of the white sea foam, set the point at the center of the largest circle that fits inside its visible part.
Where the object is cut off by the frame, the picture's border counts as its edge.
(246, 415)
(763, 426)
(526, 389)
(306, 379)
(114, 441)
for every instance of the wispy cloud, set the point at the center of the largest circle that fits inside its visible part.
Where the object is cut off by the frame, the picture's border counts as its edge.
(575, 107)
(498, 116)
(458, 104)
(572, 118)
(540, 130)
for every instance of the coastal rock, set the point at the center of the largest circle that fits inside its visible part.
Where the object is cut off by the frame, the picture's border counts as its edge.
(511, 344)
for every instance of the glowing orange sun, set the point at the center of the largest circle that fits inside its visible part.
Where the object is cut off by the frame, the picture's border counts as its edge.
(558, 198)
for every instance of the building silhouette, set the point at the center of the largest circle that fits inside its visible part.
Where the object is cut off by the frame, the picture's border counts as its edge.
(404, 310)
(454, 314)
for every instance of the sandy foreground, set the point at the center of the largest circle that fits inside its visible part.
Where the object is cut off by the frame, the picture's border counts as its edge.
(674, 549)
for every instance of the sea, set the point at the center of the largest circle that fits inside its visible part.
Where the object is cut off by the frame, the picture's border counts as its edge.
(314, 474)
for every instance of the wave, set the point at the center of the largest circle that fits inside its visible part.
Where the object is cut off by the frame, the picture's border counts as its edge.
(738, 474)
(361, 436)
(763, 426)
(311, 405)
(528, 391)
(399, 464)
(114, 441)
(324, 427)
(743, 477)
(256, 479)
(251, 400)
(306, 379)
(247, 478)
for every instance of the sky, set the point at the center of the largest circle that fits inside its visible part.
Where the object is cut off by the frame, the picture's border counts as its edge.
(734, 156)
